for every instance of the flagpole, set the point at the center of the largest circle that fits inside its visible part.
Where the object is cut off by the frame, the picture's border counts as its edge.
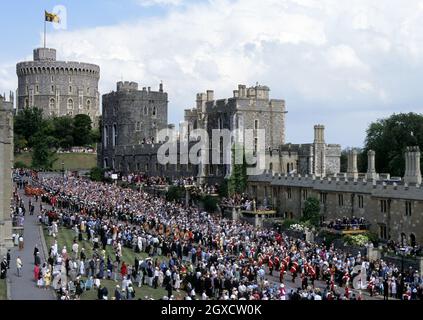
(45, 31)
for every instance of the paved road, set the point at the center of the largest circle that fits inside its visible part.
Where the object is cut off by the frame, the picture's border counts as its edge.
(24, 287)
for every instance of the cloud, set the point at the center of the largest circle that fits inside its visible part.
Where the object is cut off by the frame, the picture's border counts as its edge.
(150, 3)
(325, 58)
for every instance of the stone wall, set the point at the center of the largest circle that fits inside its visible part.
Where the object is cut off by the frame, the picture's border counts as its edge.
(6, 165)
(383, 206)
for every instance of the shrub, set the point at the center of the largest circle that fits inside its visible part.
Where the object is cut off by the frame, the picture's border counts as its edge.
(210, 203)
(175, 193)
(20, 165)
(359, 240)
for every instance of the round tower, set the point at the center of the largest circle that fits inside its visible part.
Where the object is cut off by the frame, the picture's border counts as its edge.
(59, 88)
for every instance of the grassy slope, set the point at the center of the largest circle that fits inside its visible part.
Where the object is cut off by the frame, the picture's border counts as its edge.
(72, 161)
(3, 290)
(65, 238)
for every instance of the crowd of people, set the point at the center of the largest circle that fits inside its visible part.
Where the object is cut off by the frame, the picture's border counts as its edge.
(346, 223)
(202, 255)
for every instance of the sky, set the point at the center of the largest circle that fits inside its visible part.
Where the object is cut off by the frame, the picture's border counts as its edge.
(343, 64)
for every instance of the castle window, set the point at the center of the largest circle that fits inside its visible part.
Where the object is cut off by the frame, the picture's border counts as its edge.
(70, 104)
(256, 124)
(37, 89)
(361, 202)
(341, 200)
(70, 79)
(106, 163)
(271, 166)
(255, 146)
(383, 206)
(408, 208)
(70, 89)
(289, 193)
(305, 194)
(154, 111)
(323, 197)
(382, 232)
(88, 104)
(52, 105)
(52, 89)
(114, 135)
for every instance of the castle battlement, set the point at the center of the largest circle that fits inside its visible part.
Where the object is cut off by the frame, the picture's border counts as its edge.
(377, 188)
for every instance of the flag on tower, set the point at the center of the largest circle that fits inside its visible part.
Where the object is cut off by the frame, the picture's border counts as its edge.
(51, 17)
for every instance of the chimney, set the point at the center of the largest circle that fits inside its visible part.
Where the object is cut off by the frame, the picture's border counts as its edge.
(352, 164)
(412, 166)
(210, 95)
(371, 167)
(319, 134)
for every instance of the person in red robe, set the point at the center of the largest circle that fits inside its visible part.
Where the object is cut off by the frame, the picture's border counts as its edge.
(36, 272)
(123, 270)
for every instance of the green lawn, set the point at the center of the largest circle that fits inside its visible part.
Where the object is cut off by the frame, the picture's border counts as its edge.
(72, 161)
(3, 290)
(66, 237)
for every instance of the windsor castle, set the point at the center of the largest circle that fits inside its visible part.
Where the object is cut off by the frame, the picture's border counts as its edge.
(131, 118)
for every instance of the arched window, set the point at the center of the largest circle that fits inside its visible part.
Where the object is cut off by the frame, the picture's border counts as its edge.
(88, 104)
(70, 104)
(154, 111)
(271, 166)
(114, 135)
(105, 136)
(52, 105)
(412, 240)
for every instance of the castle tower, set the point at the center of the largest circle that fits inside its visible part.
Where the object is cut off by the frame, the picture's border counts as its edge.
(352, 164)
(371, 167)
(319, 151)
(6, 165)
(59, 88)
(412, 166)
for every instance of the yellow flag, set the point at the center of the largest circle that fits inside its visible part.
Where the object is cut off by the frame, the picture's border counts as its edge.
(51, 17)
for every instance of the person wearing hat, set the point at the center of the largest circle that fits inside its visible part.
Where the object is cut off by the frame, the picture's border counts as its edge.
(118, 295)
(3, 268)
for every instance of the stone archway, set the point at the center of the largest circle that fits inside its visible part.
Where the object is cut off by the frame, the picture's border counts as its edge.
(412, 240)
(403, 239)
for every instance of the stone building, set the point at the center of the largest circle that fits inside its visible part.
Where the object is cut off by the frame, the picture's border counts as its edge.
(59, 88)
(131, 119)
(393, 207)
(251, 108)
(6, 165)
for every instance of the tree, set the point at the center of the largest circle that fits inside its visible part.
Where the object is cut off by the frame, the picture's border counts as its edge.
(311, 211)
(97, 174)
(27, 123)
(389, 139)
(82, 130)
(64, 131)
(42, 155)
(20, 143)
(237, 183)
